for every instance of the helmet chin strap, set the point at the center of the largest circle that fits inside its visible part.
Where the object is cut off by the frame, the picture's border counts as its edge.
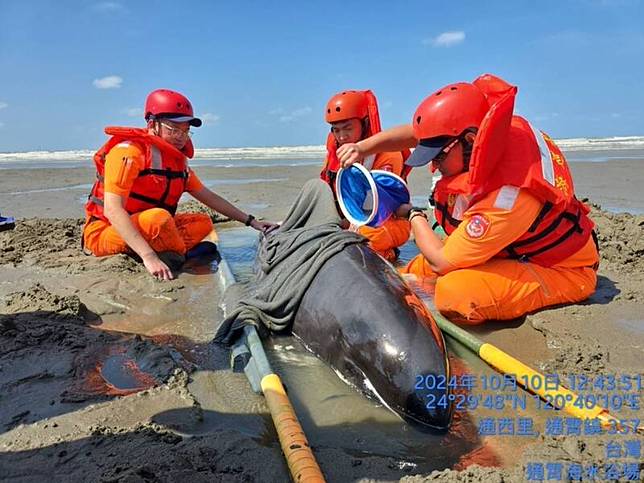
(365, 128)
(467, 147)
(154, 125)
(467, 155)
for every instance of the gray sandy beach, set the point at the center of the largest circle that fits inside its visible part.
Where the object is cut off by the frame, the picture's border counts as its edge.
(109, 375)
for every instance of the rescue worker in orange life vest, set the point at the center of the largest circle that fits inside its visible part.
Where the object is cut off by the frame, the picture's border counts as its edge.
(141, 175)
(353, 116)
(518, 238)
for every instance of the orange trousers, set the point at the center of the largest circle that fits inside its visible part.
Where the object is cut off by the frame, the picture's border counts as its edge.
(160, 229)
(503, 289)
(391, 234)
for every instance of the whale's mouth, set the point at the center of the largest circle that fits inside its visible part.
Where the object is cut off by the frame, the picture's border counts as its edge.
(429, 426)
(418, 419)
(422, 419)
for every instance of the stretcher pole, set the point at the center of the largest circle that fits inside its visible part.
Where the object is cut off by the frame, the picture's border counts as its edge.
(531, 380)
(295, 446)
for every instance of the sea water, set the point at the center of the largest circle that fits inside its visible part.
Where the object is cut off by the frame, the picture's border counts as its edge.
(575, 149)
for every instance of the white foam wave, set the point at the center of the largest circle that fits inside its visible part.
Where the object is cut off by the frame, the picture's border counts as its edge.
(256, 153)
(77, 155)
(296, 154)
(601, 144)
(253, 163)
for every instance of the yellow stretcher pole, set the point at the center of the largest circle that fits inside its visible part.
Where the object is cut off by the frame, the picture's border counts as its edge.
(299, 457)
(531, 380)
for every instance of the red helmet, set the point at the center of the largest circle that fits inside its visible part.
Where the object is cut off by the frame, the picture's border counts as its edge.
(347, 105)
(450, 111)
(167, 104)
(445, 114)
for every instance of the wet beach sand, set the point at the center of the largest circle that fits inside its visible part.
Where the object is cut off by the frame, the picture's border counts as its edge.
(108, 375)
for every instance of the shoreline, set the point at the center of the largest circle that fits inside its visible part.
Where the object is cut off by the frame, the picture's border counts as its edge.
(614, 184)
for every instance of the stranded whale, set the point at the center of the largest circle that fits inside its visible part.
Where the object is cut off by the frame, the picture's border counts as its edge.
(348, 306)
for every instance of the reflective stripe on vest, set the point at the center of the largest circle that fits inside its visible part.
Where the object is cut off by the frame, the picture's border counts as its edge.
(547, 168)
(368, 161)
(157, 161)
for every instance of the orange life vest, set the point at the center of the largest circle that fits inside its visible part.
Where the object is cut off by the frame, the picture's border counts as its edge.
(529, 160)
(160, 183)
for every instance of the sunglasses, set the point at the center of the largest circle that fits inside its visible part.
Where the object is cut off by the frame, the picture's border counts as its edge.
(442, 154)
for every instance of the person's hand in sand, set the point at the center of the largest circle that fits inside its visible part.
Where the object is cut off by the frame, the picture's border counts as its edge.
(156, 267)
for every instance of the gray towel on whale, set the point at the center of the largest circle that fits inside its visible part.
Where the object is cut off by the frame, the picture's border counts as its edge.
(287, 262)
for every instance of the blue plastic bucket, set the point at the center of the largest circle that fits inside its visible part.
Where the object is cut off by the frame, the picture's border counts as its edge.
(369, 197)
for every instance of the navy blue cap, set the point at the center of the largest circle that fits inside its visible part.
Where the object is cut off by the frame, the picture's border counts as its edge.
(427, 150)
(194, 121)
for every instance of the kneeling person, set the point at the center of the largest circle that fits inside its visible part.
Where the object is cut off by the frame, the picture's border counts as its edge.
(518, 238)
(141, 175)
(353, 116)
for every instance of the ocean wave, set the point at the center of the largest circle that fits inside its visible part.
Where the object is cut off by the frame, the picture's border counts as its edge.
(259, 153)
(296, 154)
(79, 155)
(246, 163)
(254, 153)
(601, 144)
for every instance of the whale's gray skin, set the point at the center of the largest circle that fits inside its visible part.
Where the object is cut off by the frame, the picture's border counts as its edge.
(361, 318)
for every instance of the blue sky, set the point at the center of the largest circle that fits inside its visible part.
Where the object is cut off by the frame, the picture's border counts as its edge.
(261, 72)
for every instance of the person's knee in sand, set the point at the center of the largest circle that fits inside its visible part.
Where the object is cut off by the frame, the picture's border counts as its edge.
(353, 116)
(141, 175)
(518, 238)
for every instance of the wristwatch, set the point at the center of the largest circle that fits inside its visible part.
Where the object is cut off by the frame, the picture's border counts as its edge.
(249, 220)
(416, 212)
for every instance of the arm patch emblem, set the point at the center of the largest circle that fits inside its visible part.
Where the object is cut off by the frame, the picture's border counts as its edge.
(477, 226)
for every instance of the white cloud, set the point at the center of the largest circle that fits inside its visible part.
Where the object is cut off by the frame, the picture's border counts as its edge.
(3, 105)
(109, 82)
(295, 114)
(446, 39)
(108, 7)
(209, 118)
